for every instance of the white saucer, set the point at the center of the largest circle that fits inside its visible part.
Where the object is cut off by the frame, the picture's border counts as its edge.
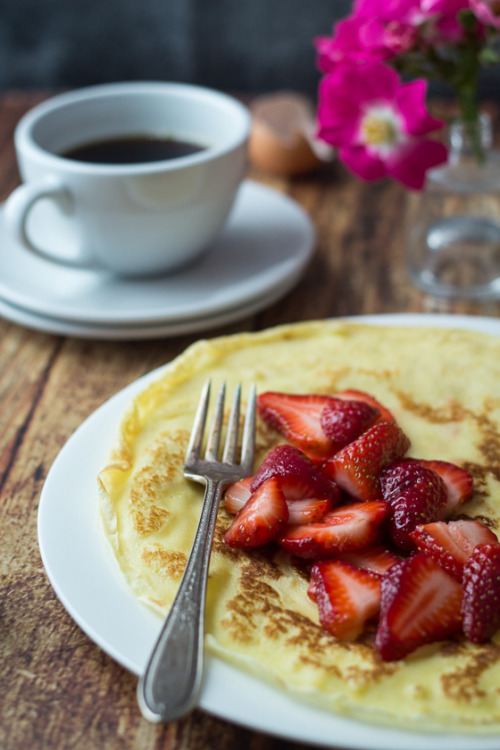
(128, 332)
(264, 248)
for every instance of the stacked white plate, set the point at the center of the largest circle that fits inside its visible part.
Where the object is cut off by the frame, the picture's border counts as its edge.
(261, 255)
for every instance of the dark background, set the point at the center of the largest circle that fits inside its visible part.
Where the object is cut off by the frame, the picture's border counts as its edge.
(237, 45)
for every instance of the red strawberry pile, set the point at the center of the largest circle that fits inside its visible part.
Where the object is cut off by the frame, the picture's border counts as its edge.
(379, 529)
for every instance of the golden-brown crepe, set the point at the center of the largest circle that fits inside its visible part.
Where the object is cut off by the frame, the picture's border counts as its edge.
(443, 387)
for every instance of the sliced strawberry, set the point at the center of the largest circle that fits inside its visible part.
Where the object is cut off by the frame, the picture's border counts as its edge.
(299, 477)
(458, 481)
(298, 419)
(357, 467)
(260, 519)
(309, 510)
(352, 394)
(451, 544)
(415, 495)
(344, 420)
(347, 597)
(420, 604)
(311, 590)
(341, 530)
(237, 494)
(481, 601)
(376, 558)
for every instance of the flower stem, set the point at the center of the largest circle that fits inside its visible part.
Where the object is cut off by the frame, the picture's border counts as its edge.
(469, 114)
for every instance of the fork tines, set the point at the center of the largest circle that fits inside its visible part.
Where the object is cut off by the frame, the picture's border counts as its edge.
(230, 453)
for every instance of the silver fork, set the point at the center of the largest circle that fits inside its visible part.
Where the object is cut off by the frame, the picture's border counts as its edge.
(170, 686)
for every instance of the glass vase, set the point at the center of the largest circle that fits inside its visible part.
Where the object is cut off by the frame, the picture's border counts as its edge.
(453, 232)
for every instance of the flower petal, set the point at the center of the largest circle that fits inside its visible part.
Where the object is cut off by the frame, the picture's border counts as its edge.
(374, 82)
(410, 161)
(338, 114)
(487, 12)
(363, 163)
(410, 100)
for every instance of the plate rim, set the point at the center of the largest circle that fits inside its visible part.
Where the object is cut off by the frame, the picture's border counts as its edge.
(319, 725)
(140, 332)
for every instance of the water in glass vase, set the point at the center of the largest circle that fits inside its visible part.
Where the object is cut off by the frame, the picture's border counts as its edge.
(453, 241)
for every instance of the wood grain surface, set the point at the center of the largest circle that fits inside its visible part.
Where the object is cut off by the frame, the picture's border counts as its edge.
(58, 690)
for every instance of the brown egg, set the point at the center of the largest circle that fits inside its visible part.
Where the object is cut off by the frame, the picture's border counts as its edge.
(282, 137)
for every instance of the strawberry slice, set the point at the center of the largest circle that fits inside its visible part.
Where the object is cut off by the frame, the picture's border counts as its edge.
(260, 519)
(347, 597)
(481, 600)
(299, 477)
(352, 394)
(344, 529)
(376, 558)
(420, 604)
(298, 419)
(237, 494)
(309, 510)
(451, 544)
(414, 494)
(458, 481)
(296, 487)
(344, 420)
(357, 467)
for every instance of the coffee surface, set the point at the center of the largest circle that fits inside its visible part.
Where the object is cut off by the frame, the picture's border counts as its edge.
(132, 150)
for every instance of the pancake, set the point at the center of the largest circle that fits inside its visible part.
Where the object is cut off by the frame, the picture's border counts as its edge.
(442, 386)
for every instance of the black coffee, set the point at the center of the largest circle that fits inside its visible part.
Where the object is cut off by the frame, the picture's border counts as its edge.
(132, 150)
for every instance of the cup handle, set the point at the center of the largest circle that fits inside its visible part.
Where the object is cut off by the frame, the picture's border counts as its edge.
(18, 206)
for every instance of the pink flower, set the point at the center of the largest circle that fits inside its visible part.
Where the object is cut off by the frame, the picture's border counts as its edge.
(344, 46)
(446, 26)
(487, 11)
(388, 39)
(376, 30)
(434, 21)
(402, 11)
(383, 29)
(444, 7)
(377, 124)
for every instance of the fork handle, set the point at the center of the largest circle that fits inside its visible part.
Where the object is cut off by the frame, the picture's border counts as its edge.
(169, 687)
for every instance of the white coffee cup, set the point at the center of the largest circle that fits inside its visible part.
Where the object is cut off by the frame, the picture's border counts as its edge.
(131, 219)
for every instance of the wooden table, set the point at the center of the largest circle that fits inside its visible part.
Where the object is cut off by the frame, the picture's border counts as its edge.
(58, 690)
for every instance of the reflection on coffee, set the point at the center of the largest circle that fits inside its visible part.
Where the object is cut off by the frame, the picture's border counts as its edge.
(132, 150)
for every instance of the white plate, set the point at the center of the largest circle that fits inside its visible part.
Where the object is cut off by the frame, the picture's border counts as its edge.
(268, 239)
(128, 332)
(84, 575)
